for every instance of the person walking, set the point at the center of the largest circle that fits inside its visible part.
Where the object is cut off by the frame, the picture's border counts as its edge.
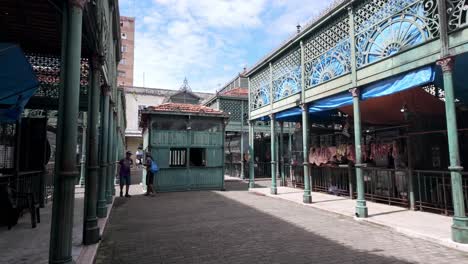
(151, 169)
(124, 172)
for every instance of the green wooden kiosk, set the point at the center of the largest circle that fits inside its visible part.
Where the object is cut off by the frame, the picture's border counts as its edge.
(187, 143)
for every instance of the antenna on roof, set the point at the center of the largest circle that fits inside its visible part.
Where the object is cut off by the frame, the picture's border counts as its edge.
(185, 87)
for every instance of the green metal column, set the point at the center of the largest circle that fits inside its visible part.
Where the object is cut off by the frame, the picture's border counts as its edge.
(460, 221)
(223, 137)
(281, 155)
(60, 247)
(90, 224)
(110, 182)
(83, 150)
(410, 173)
(114, 154)
(102, 202)
(307, 198)
(274, 190)
(361, 208)
(242, 176)
(251, 155)
(290, 155)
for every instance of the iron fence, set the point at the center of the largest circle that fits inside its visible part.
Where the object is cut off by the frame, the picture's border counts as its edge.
(386, 186)
(334, 180)
(434, 191)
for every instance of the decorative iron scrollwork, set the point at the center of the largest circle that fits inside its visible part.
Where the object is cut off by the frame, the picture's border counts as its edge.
(393, 26)
(287, 75)
(330, 65)
(260, 89)
(327, 53)
(457, 11)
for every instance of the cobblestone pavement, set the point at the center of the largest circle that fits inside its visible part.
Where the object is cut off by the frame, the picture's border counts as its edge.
(239, 227)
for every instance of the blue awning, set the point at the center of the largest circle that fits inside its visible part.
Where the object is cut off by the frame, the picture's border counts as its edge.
(17, 80)
(385, 87)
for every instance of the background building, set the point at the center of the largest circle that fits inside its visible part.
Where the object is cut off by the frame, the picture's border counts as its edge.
(127, 35)
(140, 97)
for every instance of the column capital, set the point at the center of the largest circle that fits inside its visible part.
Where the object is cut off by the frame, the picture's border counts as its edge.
(272, 116)
(355, 92)
(303, 107)
(78, 3)
(446, 63)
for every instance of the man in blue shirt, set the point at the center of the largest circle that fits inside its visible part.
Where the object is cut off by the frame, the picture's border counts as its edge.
(124, 173)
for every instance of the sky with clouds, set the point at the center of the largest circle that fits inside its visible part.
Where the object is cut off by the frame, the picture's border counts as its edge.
(209, 41)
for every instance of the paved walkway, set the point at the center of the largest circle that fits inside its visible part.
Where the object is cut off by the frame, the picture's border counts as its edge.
(429, 226)
(237, 226)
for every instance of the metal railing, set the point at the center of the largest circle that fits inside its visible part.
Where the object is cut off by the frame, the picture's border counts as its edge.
(434, 191)
(334, 180)
(386, 186)
(262, 169)
(233, 169)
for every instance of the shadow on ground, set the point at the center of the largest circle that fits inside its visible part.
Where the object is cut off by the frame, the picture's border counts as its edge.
(207, 227)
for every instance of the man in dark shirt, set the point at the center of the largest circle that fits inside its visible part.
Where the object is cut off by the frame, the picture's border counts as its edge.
(124, 173)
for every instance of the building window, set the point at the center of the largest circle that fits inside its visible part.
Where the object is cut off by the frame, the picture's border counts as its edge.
(197, 157)
(124, 48)
(122, 74)
(123, 61)
(177, 157)
(124, 35)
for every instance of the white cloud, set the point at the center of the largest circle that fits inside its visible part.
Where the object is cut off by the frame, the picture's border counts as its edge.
(207, 40)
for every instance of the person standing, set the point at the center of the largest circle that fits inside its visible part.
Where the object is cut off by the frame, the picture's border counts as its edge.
(124, 172)
(149, 175)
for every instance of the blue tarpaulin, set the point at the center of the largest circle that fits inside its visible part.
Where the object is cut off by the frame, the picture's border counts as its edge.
(17, 80)
(385, 87)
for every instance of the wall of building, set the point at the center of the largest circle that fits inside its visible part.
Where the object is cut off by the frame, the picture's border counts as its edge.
(125, 69)
(133, 102)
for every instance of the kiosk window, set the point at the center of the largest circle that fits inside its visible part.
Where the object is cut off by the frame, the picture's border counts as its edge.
(197, 157)
(177, 157)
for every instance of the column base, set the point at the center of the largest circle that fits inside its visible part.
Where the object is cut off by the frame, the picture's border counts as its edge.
(109, 197)
(91, 234)
(460, 230)
(361, 209)
(66, 261)
(274, 190)
(101, 209)
(307, 197)
(251, 184)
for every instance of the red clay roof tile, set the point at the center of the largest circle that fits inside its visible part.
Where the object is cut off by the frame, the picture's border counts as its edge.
(185, 108)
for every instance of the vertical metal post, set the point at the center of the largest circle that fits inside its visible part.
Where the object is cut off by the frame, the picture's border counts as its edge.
(114, 154)
(251, 141)
(83, 150)
(409, 148)
(460, 221)
(281, 155)
(109, 179)
(273, 154)
(307, 198)
(361, 207)
(251, 154)
(290, 154)
(90, 223)
(60, 247)
(102, 203)
(223, 188)
(242, 176)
